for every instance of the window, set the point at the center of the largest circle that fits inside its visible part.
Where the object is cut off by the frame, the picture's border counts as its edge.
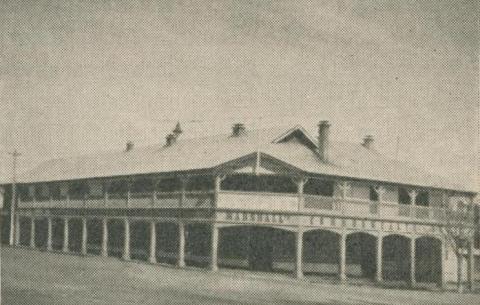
(422, 199)
(169, 185)
(267, 184)
(373, 194)
(118, 189)
(142, 185)
(319, 187)
(201, 183)
(403, 196)
(78, 190)
(42, 192)
(24, 193)
(55, 191)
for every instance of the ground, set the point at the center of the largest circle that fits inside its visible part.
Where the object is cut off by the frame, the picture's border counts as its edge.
(34, 277)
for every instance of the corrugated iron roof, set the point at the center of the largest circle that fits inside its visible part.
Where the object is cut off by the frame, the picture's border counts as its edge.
(346, 160)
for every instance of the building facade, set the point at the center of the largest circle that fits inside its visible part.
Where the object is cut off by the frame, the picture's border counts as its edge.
(270, 200)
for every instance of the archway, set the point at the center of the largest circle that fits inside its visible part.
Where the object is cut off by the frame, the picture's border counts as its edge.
(139, 240)
(116, 237)
(57, 233)
(428, 259)
(321, 253)
(41, 233)
(197, 245)
(257, 248)
(25, 231)
(361, 255)
(167, 243)
(94, 236)
(396, 258)
(75, 234)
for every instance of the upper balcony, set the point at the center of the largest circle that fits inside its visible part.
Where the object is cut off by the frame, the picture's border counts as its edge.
(241, 192)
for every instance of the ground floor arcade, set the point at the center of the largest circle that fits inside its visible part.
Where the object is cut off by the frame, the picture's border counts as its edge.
(375, 255)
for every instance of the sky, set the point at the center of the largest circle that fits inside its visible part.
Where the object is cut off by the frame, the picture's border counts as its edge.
(83, 76)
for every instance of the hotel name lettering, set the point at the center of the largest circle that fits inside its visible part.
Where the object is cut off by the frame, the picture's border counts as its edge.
(258, 217)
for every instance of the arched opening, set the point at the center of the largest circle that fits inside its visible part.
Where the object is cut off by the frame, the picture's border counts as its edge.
(396, 258)
(321, 253)
(257, 248)
(57, 233)
(139, 240)
(197, 245)
(428, 259)
(75, 234)
(25, 231)
(361, 255)
(116, 238)
(167, 243)
(94, 236)
(41, 233)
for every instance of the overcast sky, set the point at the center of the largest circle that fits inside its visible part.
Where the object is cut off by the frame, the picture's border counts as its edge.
(83, 76)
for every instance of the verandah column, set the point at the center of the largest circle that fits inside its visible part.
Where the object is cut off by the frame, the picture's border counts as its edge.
(379, 272)
(49, 234)
(126, 240)
(153, 242)
(181, 245)
(32, 232)
(84, 236)
(442, 280)
(412, 262)
(214, 249)
(299, 253)
(17, 231)
(342, 261)
(104, 237)
(65, 234)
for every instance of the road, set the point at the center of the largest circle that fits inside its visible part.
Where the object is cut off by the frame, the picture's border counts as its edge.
(34, 277)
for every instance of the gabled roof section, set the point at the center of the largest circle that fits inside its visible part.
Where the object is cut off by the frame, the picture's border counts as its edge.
(299, 133)
(294, 150)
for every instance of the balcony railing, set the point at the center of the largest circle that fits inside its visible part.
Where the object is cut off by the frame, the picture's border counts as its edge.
(250, 201)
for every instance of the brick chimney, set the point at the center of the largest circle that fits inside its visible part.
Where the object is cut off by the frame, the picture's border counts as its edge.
(171, 138)
(323, 140)
(238, 129)
(368, 142)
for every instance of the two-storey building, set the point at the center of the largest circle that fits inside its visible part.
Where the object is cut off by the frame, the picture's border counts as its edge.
(280, 200)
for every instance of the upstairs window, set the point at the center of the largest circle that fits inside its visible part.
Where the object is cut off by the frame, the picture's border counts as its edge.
(373, 194)
(24, 193)
(118, 189)
(42, 192)
(169, 185)
(403, 196)
(142, 185)
(319, 187)
(201, 183)
(78, 190)
(422, 199)
(266, 184)
(55, 191)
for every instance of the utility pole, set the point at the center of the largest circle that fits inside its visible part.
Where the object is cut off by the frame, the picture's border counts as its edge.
(13, 204)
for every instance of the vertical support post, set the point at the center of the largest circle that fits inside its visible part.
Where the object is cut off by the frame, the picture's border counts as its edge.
(49, 233)
(153, 242)
(300, 185)
(84, 236)
(379, 272)
(442, 280)
(214, 249)
(32, 232)
(65, 234)
(470, 266)
(105, 193)
(126, 240)
(413, 198)
(183, 186)
(181, 245)
(412, 262)
(104, 237)
(218, 187)
(299, 253)
(17, 232)
(342, 260)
